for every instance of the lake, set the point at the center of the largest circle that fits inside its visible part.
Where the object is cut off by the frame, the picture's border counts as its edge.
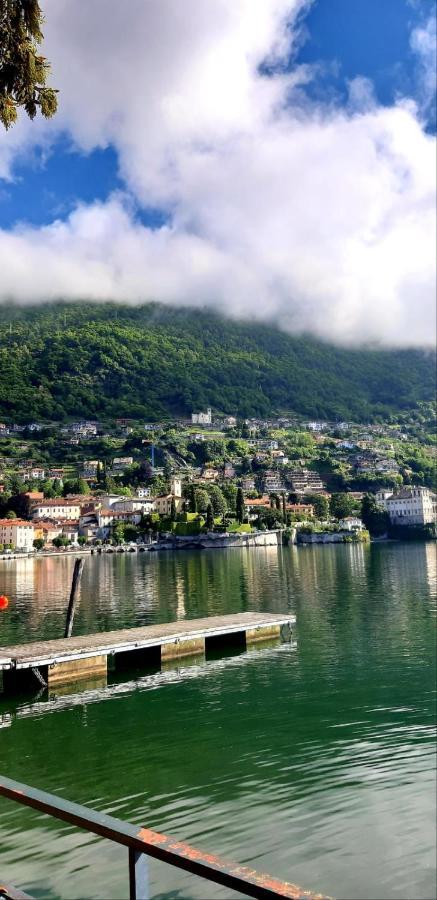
(314, 761)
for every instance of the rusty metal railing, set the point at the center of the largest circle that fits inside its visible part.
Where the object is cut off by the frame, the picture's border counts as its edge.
(142, 842)
(9, 892)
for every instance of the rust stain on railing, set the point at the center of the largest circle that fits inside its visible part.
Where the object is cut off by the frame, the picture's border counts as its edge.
(244, 874)
(146, 842)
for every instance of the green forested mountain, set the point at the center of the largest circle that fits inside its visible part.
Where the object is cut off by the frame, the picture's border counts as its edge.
(105, 360)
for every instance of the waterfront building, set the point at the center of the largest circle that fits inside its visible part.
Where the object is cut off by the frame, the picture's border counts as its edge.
(414, 505)
(100, 526)
(70, 530)
(16, 533)
(306, 509)
(351, 523)
(163, 504)
(58, 508)
(133, 504)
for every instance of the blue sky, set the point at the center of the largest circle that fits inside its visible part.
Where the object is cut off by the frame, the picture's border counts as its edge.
(370, 38)
(344, 36)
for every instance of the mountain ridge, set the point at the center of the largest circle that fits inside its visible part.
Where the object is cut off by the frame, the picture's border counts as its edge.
(62, 360)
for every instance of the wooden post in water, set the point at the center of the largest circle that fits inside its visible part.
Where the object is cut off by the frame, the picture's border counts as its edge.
(77, 575)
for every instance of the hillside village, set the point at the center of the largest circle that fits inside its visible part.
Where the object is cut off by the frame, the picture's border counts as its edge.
(87, 483)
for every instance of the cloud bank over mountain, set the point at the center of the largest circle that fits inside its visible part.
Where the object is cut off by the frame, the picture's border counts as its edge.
(317, 216)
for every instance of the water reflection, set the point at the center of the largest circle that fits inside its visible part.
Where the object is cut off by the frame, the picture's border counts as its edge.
(128, 590)
(315, 761)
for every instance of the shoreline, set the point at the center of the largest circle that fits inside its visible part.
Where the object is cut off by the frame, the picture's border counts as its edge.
(166, 546)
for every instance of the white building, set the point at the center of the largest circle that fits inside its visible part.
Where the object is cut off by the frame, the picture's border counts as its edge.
(132, 504)
(84, 429)
(106, 519)
(346, 445)
(58, 508)
(314, 426)
(202, 418)
(263, 444)
(17, 534)
(382, 496)
(410, 506)
(36, 474)
(351, 523)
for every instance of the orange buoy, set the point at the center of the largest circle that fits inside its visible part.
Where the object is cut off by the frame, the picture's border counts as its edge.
(4, 601)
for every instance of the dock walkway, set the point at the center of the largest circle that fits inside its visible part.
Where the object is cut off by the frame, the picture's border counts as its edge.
(86, 656)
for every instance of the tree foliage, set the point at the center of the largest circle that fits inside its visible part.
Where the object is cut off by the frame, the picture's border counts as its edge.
(376, 520)
(104, 360)
(202, 500)
(23, 71)
(320, 504)
(217, 499)
(239, 505)
(342, 505)
(209, 517)
(75, 486)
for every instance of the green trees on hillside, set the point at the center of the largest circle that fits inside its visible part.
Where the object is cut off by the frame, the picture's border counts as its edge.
(100, 360)
(75, 486)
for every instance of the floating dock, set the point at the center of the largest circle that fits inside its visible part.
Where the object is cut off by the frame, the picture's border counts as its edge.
(68, 660)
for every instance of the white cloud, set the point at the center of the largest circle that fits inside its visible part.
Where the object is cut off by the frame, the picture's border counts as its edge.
(318, 218)
(423, 42)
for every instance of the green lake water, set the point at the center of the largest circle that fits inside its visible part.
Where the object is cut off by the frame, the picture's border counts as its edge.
(314, 761)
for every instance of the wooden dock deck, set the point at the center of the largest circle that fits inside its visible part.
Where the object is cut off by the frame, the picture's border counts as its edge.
(86, 656)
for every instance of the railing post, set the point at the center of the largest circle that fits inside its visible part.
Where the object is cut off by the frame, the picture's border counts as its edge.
(138, 875)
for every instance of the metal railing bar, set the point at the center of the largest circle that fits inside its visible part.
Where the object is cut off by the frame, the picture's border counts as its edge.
(242, 879)
(9, 892)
